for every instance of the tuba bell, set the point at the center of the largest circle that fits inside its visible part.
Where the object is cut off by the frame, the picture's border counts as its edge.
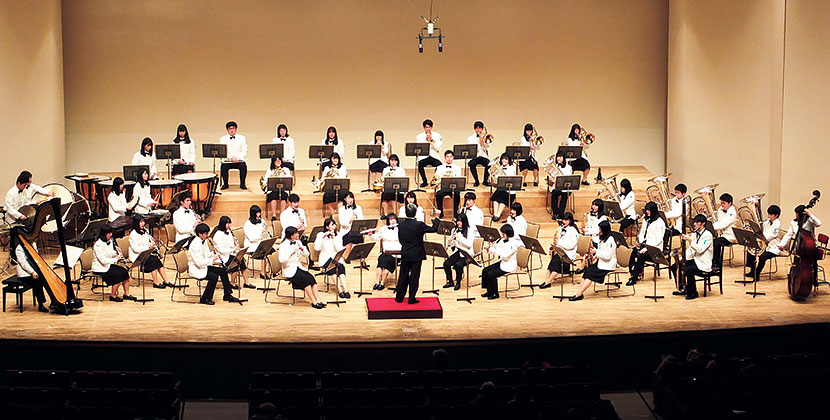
(658, 191)
(609, 191)
(705, 202)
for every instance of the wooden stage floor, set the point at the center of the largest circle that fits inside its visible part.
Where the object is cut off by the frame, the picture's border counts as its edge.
(533, 317)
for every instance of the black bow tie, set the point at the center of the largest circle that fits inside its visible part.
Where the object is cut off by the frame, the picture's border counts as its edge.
(512, 218)
(349, 206)
(505, 240)
(187, 211)
(233, 137)
(391, 227)
(449, 166)
(295, 211)
(21, 191)
(293, 242)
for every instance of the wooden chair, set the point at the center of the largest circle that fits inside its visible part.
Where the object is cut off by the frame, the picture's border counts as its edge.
(522, 267)
(623, 256)
(275, 273)
(182, 276)
(169, 242)
(533, 230)
(86, 273)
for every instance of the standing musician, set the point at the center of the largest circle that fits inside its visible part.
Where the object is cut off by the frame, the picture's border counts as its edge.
(332, 139)
(227, 246)
(727, 216)
(652, 233)
(337, 170)
(348, 213)
(627, 200)
(811, 222)
(559, 198)
(475, 216)
(675, 212)
(412, 198)
(482, 154)
(26, 274)
(142, 202)
(185, 219)
(277, 169)
(22, 194)
(292, 251)
(388, 199)
(140, 241)
(448, 170)
(106, 255)
(500, 198)
(117, 200)
(378, 164)
(328, 244)
(567, 240)
(256, 230)
(411, 236)
(580, 164)
(203, 264)
(237, 150)
(187, 150)
(698, 256)
(606, 261)
(529, 164)
(516, 219)
(293, 216)
(387, 263)
(432, 159)
(461, 239)
(770, 229)
(288, 150)
(145, 157)
(506, 249)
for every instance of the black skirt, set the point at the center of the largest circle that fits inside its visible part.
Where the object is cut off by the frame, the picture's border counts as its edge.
(302, 279)
(330, 197)
(275, 195)
(387, 262)
(182, 169)
(352, 238)
(240, 266)
(338, 268)
(378, 166)
(596, 275)
(116, 274)
(580, 164)
(152, 263)
(501, 197)
(390, 196)
(528, 165)
(556, 265)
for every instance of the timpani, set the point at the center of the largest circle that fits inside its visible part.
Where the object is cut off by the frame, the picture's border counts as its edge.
(165, 189)
(202, 186)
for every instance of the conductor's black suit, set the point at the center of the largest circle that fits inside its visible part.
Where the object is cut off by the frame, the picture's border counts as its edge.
(411, 235)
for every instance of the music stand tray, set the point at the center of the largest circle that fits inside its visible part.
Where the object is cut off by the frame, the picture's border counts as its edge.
(570, 152)
(518, 152)
(90, 233)
(417, 149)
(320, 151)
(465, 151)
(361, 252)
(445, 227)
(215, 151)
(280, 183)
(267, 151)
(509, 183)
(332, 264)
(453, 183)
(360, 225)
(168, 151)
(234, 262)
(749, 240)
(568, 182)
(263, 248)
(619, 238)
(563, 257)
(132, 172)
(488, 233)
(613, 210)
(335, 185)
(314, 231)
(396, 184)
(434, 249)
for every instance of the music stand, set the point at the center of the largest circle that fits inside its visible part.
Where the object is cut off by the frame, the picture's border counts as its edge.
(268, 151)
(314, 231)
(358, 226)
(534, 246)
(455, 184)
(368, 151)
(333, 264)
(563, 258)
(749, 240)
(361, 251)
(658, 258)
(469, 260)
(466, 152)
(509, 183)
(321, 152)
(335, 185)
(234, 262)
(280, 184)
(619, 238)
(489, 234)
(169, 152)
(139, 261)
(417, 149)
(613, 210)
(568, 182)
(397, 184)
(132, 172)
(261, 253)
(215, 151)
(516, 153)
(445, 228)
(570, 152)
(435, 250)
(90, 233)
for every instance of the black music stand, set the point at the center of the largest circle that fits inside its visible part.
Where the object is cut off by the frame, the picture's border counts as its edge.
(215, 151)
(470, 260)
(563, 258)
(361, 252)
(534, 246)
(280, 184)
(509, 183)
(335, 185)
(89, 234)
(268, 151)
(368, 151)
(261, 253)
(169, 152)
(397, 185)
(359, 226)
(619, 238)
(516, 153)
(321, 152)
(749, 240)
(324, 269)
(466, 152)
(568, 184)
(132, 172)
(435, 250)
(613, 210)
(445, 228)
(417, 150)
(139, 261)
(489, 234)
(456, 184)
(314, 231)
(570, 152)
(234, 262)
(658, 258)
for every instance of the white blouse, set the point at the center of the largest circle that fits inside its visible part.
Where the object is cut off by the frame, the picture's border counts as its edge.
(142, 199)
(568, 241)
(384, 149)
(526, 142)
(652, 233)
(117, 205)
(462, 242)
(328, 247)
(627, 204)
(726, 220)
(104, 256)
(187, 151)
(506, 251)
(480, 151)
(280, 172)
(607, 254)
(199, 257)
(184, 220)
(509, 170)
(434, 149)
(288, 148)
(139, 242)
(289, 259)
(224, 243)
(341, 171)
(388, 235)
(519, 225)
(254, 234)
(149, 160)
(345, 217)
(339, 148)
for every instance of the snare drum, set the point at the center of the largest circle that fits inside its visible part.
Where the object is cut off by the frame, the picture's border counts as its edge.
(202, 186)
(165, 189)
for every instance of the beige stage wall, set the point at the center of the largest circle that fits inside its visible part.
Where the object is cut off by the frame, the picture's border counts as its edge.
(139, 68)
(31, 88)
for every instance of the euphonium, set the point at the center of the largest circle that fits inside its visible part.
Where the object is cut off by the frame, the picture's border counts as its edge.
(377, 185)
(705, 202)
(659, 192)
(495, 171)
(536, 139)
(485, 140)
(319, 183)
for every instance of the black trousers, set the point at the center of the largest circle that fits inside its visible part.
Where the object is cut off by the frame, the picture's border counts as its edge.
(762, 261)
(625, 223)
(427, 161)
(490, 278)
(484, 163)
(410, 273)
(558, 202)
(213, 275)
(243, 171)
(638, 262)
(691, 271)
(719, 243)
(439, 199)
(456, 262)
(179, 169)
(37, 287)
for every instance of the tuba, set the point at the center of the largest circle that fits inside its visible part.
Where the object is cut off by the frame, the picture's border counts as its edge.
(495, 171)
(609, 191)
(485, 140)
(750, 214)
(658, 192)
(705, 202)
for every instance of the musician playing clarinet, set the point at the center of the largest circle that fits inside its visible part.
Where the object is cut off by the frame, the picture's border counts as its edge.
(203, 264)
(106, 256)
(140, 241)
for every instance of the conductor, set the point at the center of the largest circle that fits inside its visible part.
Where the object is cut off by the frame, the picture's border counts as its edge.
(411, 235)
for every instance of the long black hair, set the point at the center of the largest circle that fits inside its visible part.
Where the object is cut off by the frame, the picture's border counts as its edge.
(186, 138)
(336, 139)
(625, 187)
(144, 144)
(286, 130)
(575, 127)
(354, 202)
(252, 214)
(102, 234)
(140, 179)
(414, 197)
(653, 212)
(528, 126)
(137, 218)
(600, 207)
(465, 223)
(273, 159)
(118, 185)
(339, 159)
(223, 223)
(570, 218)
(382, 138)
(604, 230)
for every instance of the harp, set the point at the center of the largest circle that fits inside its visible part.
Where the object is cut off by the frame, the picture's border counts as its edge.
(60, 291)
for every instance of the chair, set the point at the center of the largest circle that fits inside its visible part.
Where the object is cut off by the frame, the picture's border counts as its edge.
(86, 272)
(276, 228)
(623, 257)
(13, 285)
(822, 251)
(180, 282)
(275, 273)
(583, 244)
(533, 230)
(668, 253)
(717, 271)
(169, 242)
(522, 267)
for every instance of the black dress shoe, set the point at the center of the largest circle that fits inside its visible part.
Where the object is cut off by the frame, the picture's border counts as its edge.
(485, 294)
(579, 271)
(273, 218)
(535, 183)
(168, 284)
(495, 218)
(375, 286)
(691, 296)
(224, 187)
(380, 287)
(318, 305)
(342, 295)
(750, 274)
(207, 302)
(524, 184)
(678, 292)
(398, 300)
(586, 183)
(382, 217)
(448, 285)
(129, 297)
(486, 183)
(347, 295)
(249, 286)
(234, 287)
(159, 286)
(243, 187)
(632, 281)
(231, 299)
(544, 285)
(41, 308)
(116, 299)
(493, 296)
(412, 301)
(475, 184)
(423, 185)
(457, 286)
(576, 298)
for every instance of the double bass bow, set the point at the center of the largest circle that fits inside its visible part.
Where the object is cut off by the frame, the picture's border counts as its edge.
(802, 275)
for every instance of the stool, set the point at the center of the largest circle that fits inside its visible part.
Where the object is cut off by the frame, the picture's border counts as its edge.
(13, 285)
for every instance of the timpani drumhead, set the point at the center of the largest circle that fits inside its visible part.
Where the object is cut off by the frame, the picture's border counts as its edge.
(200, 184)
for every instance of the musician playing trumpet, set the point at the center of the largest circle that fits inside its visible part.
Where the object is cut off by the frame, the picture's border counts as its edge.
(388, 199)
(106, 257)
(482, 154)
(559, 198)
(501, 198)
(567, 240)
(461, 239)
(328, 243)
(227, 246)
(651, 233)
(530, 164)
(581, 163)
(435, 142)
(272, 198)
(449, 169)
(140, 241)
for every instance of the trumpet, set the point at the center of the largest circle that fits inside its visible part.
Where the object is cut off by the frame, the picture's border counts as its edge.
(430, 140)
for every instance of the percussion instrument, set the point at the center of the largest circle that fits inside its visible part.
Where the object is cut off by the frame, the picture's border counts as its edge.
(85, 186)
(75, 211)
(165, 189)
(202, 186)
(103, 189)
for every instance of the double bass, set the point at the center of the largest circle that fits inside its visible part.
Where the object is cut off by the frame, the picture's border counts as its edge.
(802, 276)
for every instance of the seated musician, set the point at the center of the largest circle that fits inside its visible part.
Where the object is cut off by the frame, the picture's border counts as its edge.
(529, 164)
(204, 264)
(432, 159)
(506, 250)
(348, 212)
(581, 163)
(699, 254)
(811, 222)
(461, 239)
(727, 216)
(291, 252)
(387, 263)
(237, 150)
(770, 229)
(142, 202)
(146, 157)
(227, 246)
(378, 164)
(256, 230)
(336, 170)
(117, 200)
(500, 198)
(288, 150)
(567, 239)
(22, 194)
(606, 261)
(293, 216)
(187, 150)
(333, 140)
(27, 274)
(652, 233)
(627, 200)
(140, 241)
(482, 155)
(559, 198)
(185, 218)
(388, 199)
(448, 169)
(411, 198)
(595, 217)
(328, 244)
(273, 197)
(475, 216)
(106, 256)
(516, 219)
